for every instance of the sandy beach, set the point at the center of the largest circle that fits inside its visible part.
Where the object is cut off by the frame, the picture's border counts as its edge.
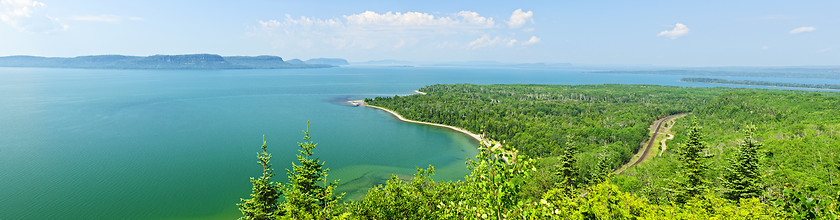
(401, 118)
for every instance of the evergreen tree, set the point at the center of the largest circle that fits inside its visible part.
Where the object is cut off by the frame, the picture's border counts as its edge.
(566, 169)
(308, 194)
(742, 178)
(602, 168)
(693, 165)
(263, 203)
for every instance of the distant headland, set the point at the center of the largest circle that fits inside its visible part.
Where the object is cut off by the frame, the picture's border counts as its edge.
(186, 61)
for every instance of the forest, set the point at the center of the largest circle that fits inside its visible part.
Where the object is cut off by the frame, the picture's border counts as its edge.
(741, 154)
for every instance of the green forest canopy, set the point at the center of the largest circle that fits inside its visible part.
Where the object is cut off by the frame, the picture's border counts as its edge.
(798, 133)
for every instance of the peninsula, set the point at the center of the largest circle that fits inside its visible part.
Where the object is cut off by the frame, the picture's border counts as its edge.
(761, 83)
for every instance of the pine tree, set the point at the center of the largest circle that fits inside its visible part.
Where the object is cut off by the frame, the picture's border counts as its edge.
(693, 165)
(263, 203)
(742, 178)
(308, 194)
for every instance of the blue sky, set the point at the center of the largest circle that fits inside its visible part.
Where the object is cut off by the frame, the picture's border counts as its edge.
(669, 33)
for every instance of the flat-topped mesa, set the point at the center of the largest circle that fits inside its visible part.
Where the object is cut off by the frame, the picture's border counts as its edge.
(186, 61)
(188, 58)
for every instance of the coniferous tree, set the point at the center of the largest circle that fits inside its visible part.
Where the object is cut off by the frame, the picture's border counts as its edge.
(264, 201)
(566, 169)
(602, 168)
(693, 165)
(742, 179)
(308, 194)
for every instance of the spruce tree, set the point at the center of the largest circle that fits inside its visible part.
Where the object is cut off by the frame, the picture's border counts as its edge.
(263, 203)
(742, 178)
(566, 169)
(308, 194)
(693, 165)
(602, 169)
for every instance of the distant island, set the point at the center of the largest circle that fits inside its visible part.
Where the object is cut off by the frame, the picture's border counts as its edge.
(187, 61)
(819, 72)
(760, 83)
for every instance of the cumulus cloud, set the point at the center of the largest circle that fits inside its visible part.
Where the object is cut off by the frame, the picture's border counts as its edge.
(475, 19)
(376, 32)
(368, 30)
(27, 16)
(511, 42)
(678, 31)
(484, 41)
(802, 30)
(519, 18)
(105, 18)
(532, 40)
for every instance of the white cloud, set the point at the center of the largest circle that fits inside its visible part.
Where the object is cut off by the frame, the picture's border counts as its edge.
(511, 42)
(104, 18)
(27, 16)
(302, 21)
(765, 47)
(372, 31)
(532, 40)
(802, 30)
(484, 41)
(476, 19)
(824, 50)
(678, 31)
(519, 18)
(464, 19)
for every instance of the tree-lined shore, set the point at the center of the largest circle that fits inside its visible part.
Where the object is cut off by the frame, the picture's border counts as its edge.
(742, 154)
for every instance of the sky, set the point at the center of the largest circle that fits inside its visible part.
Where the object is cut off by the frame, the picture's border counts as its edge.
(665, 33)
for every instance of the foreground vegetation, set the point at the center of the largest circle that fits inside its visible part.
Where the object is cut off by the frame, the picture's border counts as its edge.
(742, 154)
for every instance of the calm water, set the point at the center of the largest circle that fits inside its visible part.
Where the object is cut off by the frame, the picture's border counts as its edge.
(181, 144)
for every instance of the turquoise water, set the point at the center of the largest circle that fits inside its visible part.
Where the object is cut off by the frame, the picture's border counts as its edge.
(181, 144)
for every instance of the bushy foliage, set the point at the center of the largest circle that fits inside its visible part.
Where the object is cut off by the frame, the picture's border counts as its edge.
(418, 198)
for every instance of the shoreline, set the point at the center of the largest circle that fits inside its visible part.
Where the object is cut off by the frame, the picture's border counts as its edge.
(783, 87)
(477, 137)
(401, 118)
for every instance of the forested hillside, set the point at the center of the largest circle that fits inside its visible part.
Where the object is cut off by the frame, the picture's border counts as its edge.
(799, 133)
(741, 154)
(540, 119)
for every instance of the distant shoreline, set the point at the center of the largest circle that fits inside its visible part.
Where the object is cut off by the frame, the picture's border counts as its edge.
(177, 62)
(477, 137)
(760, 83)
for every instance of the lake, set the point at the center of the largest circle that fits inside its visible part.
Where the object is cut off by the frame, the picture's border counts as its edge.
(181, 144)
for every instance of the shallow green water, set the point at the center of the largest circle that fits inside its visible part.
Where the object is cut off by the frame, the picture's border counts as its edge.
(181, 144)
